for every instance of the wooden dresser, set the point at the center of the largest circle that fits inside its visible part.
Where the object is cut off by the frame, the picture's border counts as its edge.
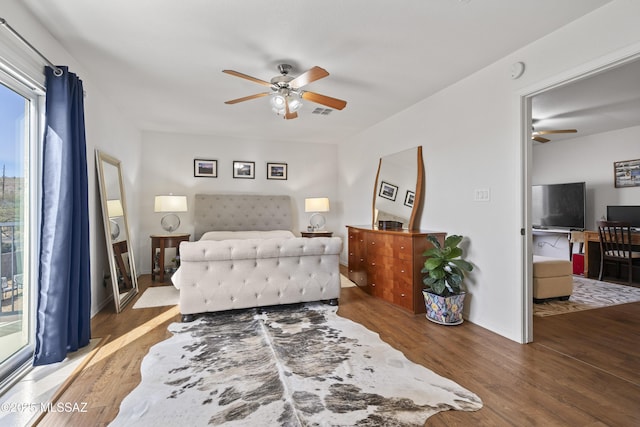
(387, 263)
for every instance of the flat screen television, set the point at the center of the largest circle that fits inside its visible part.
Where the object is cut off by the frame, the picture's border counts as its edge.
(629, 214)
(558, 206)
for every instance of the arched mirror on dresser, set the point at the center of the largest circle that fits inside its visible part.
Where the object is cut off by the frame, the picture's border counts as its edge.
(386, 257)
(116, 227)
(398, 191)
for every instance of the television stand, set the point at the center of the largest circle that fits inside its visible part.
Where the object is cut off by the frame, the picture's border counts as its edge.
(542, 231)
(561, 231)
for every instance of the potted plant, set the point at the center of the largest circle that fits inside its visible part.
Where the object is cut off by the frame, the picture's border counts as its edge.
(443, 283)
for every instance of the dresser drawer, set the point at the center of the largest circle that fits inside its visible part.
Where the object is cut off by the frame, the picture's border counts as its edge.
(403, 248)
(380, 245)
(403, 299)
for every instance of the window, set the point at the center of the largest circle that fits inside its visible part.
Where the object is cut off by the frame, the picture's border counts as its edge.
(18, 187)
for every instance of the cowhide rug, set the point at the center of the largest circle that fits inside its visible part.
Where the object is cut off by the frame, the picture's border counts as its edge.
(296, 365)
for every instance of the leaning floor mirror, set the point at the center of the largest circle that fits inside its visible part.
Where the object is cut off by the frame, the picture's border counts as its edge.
(116, 228)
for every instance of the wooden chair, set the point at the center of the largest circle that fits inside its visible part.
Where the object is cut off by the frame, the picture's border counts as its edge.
(615, 245)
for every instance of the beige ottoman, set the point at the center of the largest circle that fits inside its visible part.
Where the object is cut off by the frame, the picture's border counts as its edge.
(552, 278)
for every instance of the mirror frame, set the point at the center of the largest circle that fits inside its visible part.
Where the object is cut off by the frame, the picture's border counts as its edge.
(120, 302)
(416, 211)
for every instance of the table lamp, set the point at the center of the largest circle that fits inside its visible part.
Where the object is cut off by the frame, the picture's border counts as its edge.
(316, 205)
(170, 204)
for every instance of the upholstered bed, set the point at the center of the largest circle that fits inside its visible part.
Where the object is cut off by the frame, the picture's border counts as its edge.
(245, 255)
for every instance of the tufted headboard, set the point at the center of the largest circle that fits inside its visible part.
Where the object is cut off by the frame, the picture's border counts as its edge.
(241, 212)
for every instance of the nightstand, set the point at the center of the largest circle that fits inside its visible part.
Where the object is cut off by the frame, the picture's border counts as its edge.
(162, 242)
(316, 233)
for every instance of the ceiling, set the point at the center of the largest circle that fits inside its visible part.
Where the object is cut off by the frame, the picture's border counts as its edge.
(604, 102)
(160, 61)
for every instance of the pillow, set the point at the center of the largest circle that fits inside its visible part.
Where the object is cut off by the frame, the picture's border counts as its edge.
(228, 235)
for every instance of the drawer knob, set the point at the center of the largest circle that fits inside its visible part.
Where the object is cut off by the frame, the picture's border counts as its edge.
(373, 263)
(402, 295)
(373, 284)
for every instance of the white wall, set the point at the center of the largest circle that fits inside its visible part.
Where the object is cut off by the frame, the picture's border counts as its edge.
(106, 129)
(167, 167)
(589, 159)
(471, 135)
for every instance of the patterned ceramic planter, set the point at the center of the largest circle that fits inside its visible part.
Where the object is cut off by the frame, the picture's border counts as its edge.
(444, 310)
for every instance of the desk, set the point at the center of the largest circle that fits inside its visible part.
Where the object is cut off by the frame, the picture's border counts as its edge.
(161, 242)
(592, 252)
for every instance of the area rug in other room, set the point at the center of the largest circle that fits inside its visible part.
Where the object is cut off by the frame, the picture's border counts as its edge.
(587, 295)
(158, 296)
(290, 366)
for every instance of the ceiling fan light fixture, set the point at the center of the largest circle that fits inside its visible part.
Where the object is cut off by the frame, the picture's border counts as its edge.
(278, 101)
(294, 102)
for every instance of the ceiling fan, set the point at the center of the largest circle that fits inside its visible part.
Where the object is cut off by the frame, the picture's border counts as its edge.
(286, 92)
(536, 135)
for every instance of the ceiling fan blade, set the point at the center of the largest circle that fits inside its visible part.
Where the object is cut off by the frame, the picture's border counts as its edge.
(244, 76)
(550, 132)
(334, 103)
(311, 75)
(247, 98)
(540, 139)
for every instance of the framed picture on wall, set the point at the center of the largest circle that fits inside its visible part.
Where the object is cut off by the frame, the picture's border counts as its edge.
(388, 191)
(408, 198)
(627, 173)
(205, 168)
(276, 171)
(242, 169)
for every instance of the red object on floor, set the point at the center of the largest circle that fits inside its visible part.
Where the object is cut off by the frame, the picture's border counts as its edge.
(578, 264)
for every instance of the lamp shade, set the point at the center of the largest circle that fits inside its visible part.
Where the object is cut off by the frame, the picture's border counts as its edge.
(316, 204)
(170, 203)
(114, 208)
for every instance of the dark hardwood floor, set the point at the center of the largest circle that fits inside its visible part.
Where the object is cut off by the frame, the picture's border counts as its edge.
(582, 370)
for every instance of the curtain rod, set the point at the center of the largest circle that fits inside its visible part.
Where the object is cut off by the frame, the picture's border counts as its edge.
(57, 71)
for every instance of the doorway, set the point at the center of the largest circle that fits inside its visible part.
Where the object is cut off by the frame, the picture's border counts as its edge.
(579, 102)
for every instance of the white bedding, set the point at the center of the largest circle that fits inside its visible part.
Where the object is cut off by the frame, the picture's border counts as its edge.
(229, 235)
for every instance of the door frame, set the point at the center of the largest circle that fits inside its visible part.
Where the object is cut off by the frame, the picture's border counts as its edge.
(591, 68)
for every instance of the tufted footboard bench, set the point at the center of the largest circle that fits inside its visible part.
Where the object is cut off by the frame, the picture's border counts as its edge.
(552, 278)
(232, 274)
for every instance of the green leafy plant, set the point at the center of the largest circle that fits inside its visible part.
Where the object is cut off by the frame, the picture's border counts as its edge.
(444, 267)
